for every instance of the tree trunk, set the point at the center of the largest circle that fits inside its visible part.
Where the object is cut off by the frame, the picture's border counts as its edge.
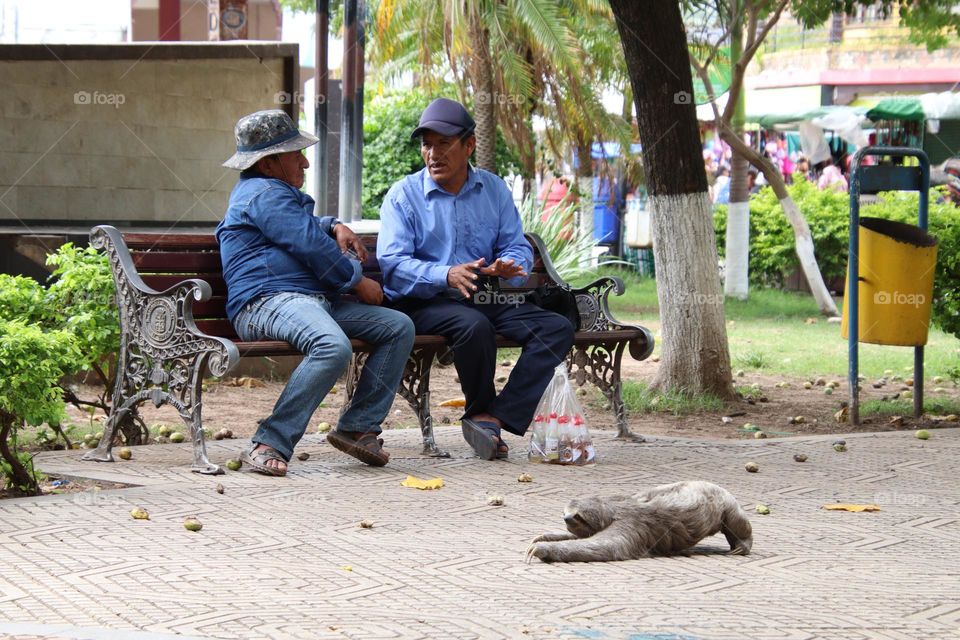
(585, 190)
(737, 265)
(484, 96)
(736, 282)
(695, 356)
(20, 479)
(801, 230)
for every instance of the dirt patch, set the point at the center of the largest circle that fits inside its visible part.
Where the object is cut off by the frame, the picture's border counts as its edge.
(238, 405)
(57, 485)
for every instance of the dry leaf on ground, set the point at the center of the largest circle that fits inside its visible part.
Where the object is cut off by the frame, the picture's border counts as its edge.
(419, 483)
(856, 508)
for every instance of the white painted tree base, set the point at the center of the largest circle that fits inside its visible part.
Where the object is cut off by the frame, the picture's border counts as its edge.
(694, 353)
(736, 267)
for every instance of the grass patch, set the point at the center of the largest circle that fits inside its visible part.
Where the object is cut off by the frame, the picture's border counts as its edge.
(749, 392)
(638, 398)
(752, 360)
(886, 408)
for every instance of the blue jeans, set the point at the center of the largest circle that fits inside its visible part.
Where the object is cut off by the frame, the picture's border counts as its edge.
(321, 331)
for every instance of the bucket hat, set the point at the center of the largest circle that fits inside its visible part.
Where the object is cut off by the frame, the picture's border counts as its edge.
(265, 133)
(446, 117)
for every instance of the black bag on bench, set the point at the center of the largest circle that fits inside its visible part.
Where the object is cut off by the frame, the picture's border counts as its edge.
(559, 299)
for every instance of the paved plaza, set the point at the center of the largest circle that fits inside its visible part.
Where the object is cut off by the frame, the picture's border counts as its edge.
(285, 557)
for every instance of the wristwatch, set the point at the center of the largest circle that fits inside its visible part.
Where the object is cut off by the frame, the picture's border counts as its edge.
(333, 225)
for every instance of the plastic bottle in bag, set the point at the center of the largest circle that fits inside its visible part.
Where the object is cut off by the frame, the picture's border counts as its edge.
(552, 440)
(588, 453)
(538, 441)
(565, 453)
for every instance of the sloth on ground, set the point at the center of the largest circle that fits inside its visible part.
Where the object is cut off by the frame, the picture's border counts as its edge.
(665, 520)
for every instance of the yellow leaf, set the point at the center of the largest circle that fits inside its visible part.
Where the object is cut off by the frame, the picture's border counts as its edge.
(455, 402)
(418, 483)
(851, 507)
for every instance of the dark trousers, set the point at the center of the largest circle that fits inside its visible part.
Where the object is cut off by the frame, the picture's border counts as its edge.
(546, 338)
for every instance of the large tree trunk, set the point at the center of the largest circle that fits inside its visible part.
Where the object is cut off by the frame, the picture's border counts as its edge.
(801, 230)
(484, 96)
(695, 355)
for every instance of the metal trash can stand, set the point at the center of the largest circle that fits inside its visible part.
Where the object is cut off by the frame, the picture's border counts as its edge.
(896, 265)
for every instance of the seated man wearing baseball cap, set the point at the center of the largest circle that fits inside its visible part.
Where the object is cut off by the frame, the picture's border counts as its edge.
(444, 227)
(285, 270)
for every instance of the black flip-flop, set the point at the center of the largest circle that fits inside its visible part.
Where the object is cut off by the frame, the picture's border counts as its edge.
(483, 436)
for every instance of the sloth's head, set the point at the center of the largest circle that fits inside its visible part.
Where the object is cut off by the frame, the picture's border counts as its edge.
(587, 516)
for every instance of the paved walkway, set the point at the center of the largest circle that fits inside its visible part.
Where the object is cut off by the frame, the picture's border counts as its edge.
(285, 558)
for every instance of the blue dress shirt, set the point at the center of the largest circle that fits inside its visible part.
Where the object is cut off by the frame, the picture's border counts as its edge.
(425, 230)
(270, 242)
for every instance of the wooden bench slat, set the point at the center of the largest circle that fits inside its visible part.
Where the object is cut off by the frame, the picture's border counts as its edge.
(168, 241)
(176, 262)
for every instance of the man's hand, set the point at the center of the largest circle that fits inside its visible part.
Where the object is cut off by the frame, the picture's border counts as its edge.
(369, 291)
(463, 276)
(504, 269)
(347, 239)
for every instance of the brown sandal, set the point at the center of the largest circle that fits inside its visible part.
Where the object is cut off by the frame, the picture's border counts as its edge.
(366, 448)
(258, 460)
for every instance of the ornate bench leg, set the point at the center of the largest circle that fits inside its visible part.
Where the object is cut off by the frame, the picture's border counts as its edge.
(415, 389)
(201, 464)
(102, 453)
(600, 364)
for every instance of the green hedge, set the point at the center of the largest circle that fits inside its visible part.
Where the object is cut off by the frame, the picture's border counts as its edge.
(772, 254)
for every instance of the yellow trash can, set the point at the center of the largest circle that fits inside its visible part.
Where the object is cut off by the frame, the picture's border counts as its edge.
(897, 263)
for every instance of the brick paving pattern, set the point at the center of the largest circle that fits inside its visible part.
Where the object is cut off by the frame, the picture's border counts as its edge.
(285, 558)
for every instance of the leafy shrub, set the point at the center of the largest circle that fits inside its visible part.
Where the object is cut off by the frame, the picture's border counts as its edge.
(568, 251)
(388, 152)
(773, 257)
(82, 291)
(33, 361)
(772, 248)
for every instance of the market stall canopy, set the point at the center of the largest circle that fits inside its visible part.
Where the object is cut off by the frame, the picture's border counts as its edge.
(846, 121)
(929, 107)
(834, 114)
(897, 109)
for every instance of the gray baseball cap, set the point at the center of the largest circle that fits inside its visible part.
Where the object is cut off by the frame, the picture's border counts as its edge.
(265, 133)
(446, 117)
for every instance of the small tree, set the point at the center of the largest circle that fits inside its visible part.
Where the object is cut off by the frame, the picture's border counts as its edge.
(32, 361)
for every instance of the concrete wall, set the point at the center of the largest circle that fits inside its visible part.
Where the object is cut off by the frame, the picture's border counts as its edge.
(127, 141)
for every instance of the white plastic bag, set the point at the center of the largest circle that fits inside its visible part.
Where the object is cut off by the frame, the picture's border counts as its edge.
(559, 434)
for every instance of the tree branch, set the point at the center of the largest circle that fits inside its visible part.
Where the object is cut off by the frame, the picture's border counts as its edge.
(708, 85)
(751, 49)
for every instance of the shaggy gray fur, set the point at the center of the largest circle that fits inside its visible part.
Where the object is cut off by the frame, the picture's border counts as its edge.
(665, 520)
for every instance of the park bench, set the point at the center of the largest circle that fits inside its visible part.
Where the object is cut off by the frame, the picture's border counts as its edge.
(171, 297)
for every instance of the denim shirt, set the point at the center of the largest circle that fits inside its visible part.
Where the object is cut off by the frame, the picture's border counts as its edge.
(425, 230)
(270, 242)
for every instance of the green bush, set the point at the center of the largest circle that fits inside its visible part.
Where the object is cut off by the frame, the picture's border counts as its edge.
(773, 256)
(32, 362)
(772, 249)
(389, 153)
(82, 292)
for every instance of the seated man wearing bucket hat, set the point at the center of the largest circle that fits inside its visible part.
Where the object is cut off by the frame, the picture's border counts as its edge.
(444, 227)
(285, 270)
